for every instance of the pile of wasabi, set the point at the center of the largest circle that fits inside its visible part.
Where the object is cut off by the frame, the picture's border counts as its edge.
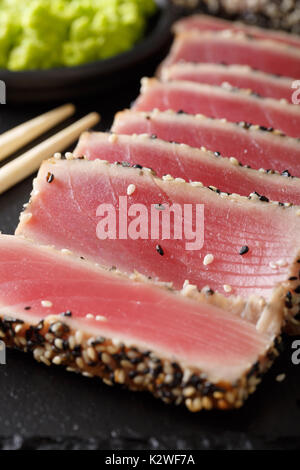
(44, 34)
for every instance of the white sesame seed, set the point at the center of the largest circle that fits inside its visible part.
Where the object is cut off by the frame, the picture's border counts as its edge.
(188, 289)
(87, 374)
(69, 155)
(208, 259)
(59, 344)
(113, 138)
(56, 360)
(280, 377)
(65, 251)
(89, 316)
(272, 265)
(227, 288)
(78, 337)
(18, 328)
(37, 353)
(281, 263)
(46, 303)
(131, 189)
(105, 358)
(92, 354)
(57, 155)
(167, 178)
(101, 318)
(79, 362)
(25, 217)
(234, 161)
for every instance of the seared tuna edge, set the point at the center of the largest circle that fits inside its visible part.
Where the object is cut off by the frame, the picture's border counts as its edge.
(54, 341)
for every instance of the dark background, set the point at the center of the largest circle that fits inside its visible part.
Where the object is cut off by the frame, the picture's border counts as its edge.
(46, 408)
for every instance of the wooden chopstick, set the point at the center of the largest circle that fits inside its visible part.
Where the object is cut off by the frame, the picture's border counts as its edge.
(16, 138)
(23, 166)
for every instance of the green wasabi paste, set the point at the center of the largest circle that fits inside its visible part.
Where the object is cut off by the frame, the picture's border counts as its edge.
(43, 34)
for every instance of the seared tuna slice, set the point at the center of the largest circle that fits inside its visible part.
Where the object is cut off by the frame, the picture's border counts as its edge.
(178, 346)
(219, 102)
(257, 147)
(231, 48)
(240, 76)
(126, 217)
(211, 23)
(191, 164)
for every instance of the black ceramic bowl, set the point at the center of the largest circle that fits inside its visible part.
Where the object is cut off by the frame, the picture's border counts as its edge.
(101, 76)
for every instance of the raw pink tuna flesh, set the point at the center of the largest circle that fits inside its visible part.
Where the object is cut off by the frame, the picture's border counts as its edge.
(188, 163)
(138, 313)
(211, 23)
(63, 214)
(266, 85)
(219, 103)
(229, 48)
(251, 146)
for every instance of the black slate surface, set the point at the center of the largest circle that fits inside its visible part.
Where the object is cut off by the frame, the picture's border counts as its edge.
(47, 408)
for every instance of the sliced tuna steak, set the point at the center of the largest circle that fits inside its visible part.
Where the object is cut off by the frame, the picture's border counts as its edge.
(211, 23)
(245, 247)
(69, 312)
(232, 48)
(218, 102)
(191, 164)
(240, 76)
(259, 148)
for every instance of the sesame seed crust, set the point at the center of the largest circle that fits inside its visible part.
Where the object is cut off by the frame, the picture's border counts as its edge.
(53, 341)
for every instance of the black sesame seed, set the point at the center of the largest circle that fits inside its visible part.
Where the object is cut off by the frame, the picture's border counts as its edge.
(132, 374)
(98, 340)
(159, 207)
(153, 136)
(27, 308)
(68, 313)
(286, 173)
(138, 166)
(264, 199)
(244, 250)
(157, 371)
(159, 250)
(50, 177)
(297, 290)
(217, 154)
(253, 371)
(135, 360)
(181, 111)
(210, 292)
(293, 278)
(288, 300)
